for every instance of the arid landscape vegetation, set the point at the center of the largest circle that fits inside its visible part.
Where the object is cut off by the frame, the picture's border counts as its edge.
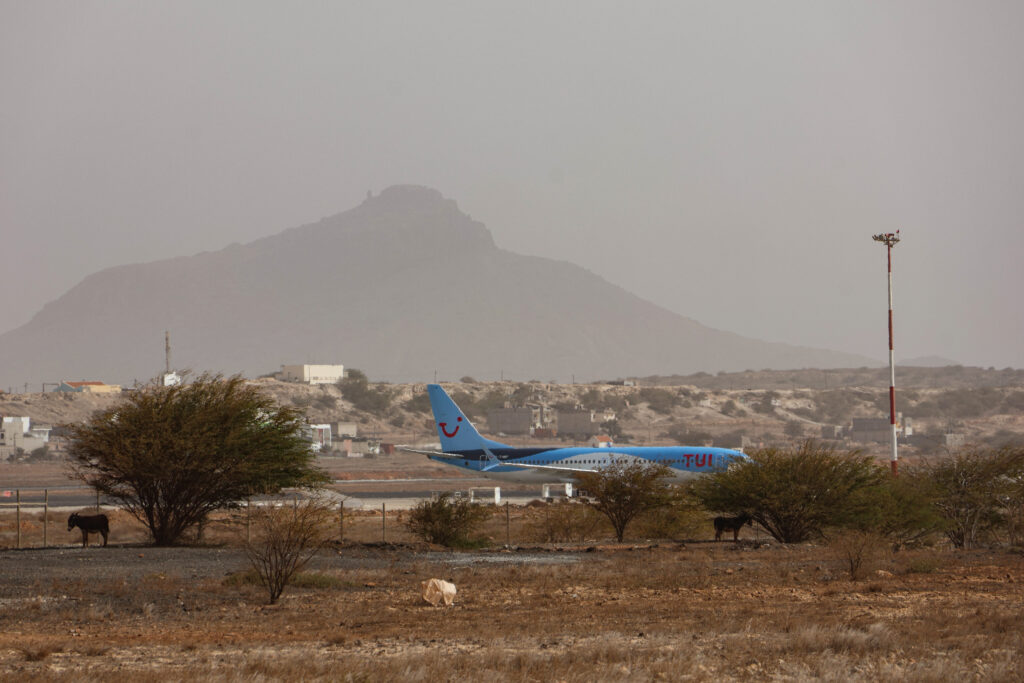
(575, 612)
(544, 590)
(764, 407)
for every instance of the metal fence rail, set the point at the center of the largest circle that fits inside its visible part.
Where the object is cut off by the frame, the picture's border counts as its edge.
(27, 500)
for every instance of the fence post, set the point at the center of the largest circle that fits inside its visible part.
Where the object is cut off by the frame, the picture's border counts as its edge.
(508, 526)
(17, 498)
(248, 520)
(46, 516)
(341, 522)
(383, 522)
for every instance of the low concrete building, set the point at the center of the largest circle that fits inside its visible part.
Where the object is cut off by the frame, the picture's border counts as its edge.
(312, 374)
(579, 424)
(343, 429)
(520, 420)
(831, 432)
(360, 447)
(871, 430)
(932, 443)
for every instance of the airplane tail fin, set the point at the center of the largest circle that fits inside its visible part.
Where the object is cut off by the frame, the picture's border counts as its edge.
(454, 429)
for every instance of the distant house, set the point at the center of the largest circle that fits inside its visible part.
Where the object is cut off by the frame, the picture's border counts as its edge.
(89, 387)
(871, 430)
(18, 433)
(935, 442)
(831, 432)
(170, 379)
(341, 429)
(877, 429)
(519, 420)
(360, 447)
(319, 435)
(312, 374)
(578, 424)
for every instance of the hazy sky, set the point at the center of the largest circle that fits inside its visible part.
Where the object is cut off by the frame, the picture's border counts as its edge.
(729, 161)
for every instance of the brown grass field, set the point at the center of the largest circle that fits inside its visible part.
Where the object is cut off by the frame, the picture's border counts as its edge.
(537, 612)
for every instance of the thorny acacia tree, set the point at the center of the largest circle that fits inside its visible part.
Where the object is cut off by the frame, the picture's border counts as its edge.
(795, 494)
(625, 488)
(975, 491)
(286, 538)
(173, 455)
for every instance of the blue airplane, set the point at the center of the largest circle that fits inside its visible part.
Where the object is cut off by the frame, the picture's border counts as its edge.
(463, 447)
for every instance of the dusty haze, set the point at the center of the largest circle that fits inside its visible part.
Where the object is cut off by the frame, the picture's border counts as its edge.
(726, 161)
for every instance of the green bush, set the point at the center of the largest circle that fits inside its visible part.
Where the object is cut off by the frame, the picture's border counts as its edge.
(356, 389)
(625, 489)
(683, 517)
(446, 521)
(794, 494)
(689, 437)
(660, 400)
(898, 509)
(419, 403)
(977, 493)
(731, 409)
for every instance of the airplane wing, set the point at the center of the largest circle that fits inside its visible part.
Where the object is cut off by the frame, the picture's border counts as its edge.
(437, 454)
(548, 468)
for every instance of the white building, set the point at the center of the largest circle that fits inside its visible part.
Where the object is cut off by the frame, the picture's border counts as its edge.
(312, 374)
(18, 433)
(319, 436)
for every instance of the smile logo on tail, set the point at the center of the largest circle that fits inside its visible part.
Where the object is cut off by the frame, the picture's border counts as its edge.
(444, 428)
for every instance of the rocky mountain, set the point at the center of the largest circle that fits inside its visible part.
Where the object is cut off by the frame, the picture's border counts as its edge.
(401, 286)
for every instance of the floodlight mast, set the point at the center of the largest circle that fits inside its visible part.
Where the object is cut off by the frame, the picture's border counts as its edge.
(890, 239)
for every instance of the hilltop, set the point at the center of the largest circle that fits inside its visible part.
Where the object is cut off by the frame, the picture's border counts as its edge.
(401, 285)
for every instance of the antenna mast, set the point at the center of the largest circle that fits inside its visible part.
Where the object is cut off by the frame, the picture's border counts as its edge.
(167, 350)
(890, 239)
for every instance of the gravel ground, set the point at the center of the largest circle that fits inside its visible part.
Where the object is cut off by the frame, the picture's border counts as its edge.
(20, 569)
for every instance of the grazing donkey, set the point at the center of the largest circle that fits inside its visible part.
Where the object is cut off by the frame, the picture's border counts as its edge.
(89, 524)
(733, 524)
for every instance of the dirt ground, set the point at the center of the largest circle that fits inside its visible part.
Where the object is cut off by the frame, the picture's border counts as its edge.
(668, 611)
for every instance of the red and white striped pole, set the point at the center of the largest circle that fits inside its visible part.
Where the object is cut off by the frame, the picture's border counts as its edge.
(890, 239)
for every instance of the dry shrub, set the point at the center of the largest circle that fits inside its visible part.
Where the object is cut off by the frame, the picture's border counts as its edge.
(815, 638)
(858, 552)
(447, 521)
(286, 538)
(563, 522)
(922, 562)
(38, 654)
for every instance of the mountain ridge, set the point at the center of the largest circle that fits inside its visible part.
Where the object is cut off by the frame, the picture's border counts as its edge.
(401, 285)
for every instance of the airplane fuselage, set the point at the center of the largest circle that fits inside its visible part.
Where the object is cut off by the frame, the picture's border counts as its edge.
(463, 446)
(533, 465)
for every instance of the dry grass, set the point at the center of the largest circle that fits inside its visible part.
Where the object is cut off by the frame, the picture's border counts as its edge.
(664, 613)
